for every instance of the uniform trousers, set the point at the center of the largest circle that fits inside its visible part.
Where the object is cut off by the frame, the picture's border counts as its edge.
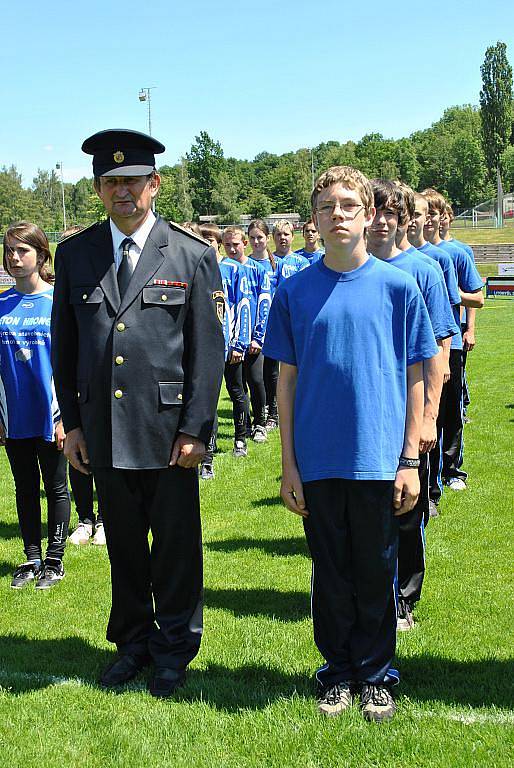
(446, 457)
(411, 541)
(352, 536)
(157, 589)
(27, 457)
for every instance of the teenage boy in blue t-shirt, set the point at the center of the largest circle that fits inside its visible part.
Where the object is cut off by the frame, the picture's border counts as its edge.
(311, 250)
(391, 212)
(448, 453)
(351, 334)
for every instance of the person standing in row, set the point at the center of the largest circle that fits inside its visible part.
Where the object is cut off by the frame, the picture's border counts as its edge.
(30, 423)
(138, 361)
(311, 250)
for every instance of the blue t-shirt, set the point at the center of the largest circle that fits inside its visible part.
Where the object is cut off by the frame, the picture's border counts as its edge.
(311, 256)
(28, 406)
(431, 284)
(289, 266)
(233, 331)
(450, 278)
(254, 285)
(272, 273)
(351, 336)
(468, 277)
(464, 246)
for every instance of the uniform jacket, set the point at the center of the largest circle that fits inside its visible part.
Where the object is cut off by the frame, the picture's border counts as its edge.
(133, 373)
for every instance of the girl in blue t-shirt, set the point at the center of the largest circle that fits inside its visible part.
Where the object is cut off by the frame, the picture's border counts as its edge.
(30, 422)
(258, 237)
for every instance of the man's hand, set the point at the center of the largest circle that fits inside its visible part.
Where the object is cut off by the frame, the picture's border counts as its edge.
(187, 451)
(446, 371)
(428, 436)
(254, 348)
(291, 491)
(3, 434)
(75, 451)
(60, 435)
(468, 340)
(235, 357)
(406, 490)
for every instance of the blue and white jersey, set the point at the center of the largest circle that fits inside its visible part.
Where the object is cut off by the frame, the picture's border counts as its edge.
(290, 265)
(311, 256)
(254, 284)
(272, 273)
(28, 405)
(233, 332)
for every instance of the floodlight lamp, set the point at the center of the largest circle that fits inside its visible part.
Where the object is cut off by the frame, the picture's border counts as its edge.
(142, 95)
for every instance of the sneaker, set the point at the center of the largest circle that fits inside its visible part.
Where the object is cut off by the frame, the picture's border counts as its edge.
(466, 420)
(271, 424)
(432, 509)
(25, 574)
(334, 699)
(240, 449)
(50, 574)
(81, 534)
(259, 434)
(456, 484)
(207, 472)
(405, 619)
(377, 702)
(99, 537)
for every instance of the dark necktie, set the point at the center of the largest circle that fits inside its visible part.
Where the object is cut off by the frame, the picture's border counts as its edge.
(125, 268)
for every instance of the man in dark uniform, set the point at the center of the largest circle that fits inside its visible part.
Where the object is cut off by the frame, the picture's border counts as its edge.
(137, 350)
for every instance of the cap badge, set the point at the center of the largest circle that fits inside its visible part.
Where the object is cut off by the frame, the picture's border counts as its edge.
(118, 157)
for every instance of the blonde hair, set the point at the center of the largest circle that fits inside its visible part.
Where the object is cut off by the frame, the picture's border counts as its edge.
(350, 178)
(434, 199)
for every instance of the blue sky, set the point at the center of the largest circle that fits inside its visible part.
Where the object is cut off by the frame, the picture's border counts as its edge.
(274, 76)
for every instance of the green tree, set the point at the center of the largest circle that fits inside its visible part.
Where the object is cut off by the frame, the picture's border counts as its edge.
(496, 105)
(205, 162)
(507, 164)
(258, 205)
(224, 198)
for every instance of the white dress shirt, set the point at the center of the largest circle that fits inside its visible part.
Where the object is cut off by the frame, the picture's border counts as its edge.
(139, 237)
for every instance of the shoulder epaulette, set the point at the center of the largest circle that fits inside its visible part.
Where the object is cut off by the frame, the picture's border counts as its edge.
(80, 232)
(185, 231)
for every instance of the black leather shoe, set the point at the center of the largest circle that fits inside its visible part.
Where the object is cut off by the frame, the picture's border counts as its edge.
(165, 682)
(123, 669)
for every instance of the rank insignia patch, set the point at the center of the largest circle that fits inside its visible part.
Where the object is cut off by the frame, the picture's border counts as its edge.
(219, 299)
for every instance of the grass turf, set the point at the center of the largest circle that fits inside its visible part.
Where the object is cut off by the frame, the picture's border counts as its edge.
(248, 699)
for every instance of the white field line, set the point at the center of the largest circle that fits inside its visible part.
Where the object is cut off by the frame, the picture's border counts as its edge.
(467, 717)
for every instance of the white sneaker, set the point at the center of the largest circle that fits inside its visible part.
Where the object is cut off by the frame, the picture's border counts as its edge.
(81, 534)
(259, 434)
(456, 484)
(99, 537)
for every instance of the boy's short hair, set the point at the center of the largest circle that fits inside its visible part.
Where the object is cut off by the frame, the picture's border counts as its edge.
(408, 196)
(210, 231)
(306, 224)
(281, 225)
(387, 194)
(349, 177)
(449, 212)
(233, 231)
(192, 226)
(434, 199)
(420, 198)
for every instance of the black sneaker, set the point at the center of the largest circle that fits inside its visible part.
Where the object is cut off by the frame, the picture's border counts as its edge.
(377, 702)
(50, 574)
(240, 449)
(25, 574)
(207, 472)
(334, 699)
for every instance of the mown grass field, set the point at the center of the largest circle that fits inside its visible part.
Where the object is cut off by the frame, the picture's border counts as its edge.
(248, 699)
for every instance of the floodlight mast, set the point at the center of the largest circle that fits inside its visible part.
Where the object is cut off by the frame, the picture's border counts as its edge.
(144, 95)
(58, 167)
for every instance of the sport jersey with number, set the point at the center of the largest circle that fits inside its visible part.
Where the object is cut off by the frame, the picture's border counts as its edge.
(351, 336)
(272, 272)
(28, 405)
(290, 265)
(311, 256)
(254, 284)
(233, 331)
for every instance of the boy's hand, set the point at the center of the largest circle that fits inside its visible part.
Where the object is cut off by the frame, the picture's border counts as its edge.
(291, 491)
(428, 436)
(406, 490)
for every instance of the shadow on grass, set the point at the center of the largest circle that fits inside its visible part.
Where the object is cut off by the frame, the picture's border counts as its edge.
(12, 530)
(28, 665)
(282, 606)
(284, 547)
(6, 569)
(267, 501)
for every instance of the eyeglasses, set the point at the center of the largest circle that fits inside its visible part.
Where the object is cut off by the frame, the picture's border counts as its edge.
(348, 210)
